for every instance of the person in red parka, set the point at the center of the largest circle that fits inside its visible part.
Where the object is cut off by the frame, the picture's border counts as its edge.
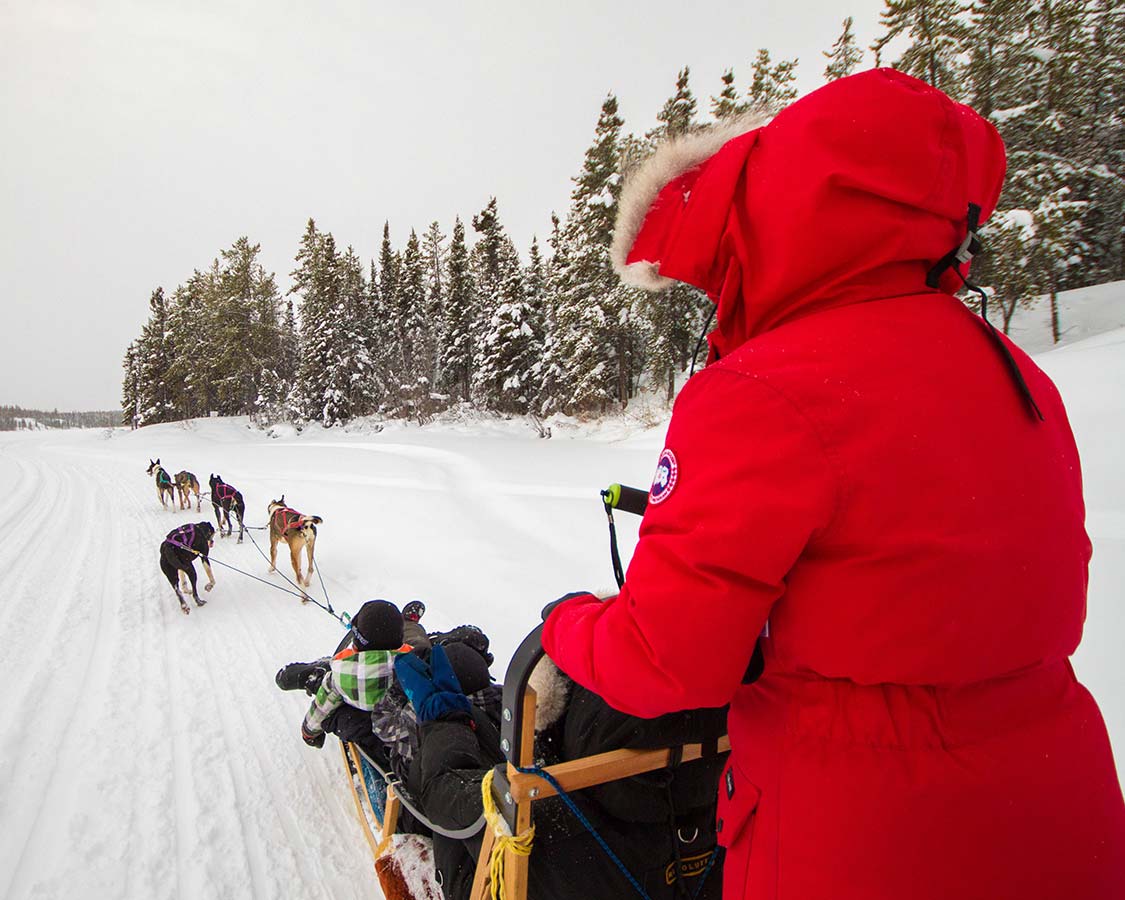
(882, 490)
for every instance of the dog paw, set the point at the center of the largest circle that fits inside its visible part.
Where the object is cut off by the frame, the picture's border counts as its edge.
(185, 609)
(207, 587)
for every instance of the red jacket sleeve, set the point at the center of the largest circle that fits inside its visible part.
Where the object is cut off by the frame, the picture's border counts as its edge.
(752, 486)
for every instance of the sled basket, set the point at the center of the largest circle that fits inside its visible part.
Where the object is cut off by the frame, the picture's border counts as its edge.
(514, 791)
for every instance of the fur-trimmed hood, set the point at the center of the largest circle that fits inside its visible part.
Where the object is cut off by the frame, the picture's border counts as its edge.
(850, 194)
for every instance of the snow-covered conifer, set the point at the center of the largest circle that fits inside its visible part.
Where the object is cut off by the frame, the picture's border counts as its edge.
(845, 55)
(725, 104)
(772, 86)
(935, 30)
(457, 322)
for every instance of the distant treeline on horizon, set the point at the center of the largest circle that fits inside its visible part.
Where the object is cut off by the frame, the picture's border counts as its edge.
(16, 418)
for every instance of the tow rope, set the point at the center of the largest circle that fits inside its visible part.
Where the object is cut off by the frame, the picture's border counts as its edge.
(343, 618)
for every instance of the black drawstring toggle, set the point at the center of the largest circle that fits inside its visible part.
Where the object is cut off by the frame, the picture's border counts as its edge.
(954, 259)
(961, 254)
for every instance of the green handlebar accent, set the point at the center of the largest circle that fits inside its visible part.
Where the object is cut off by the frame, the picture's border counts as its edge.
(612, 495)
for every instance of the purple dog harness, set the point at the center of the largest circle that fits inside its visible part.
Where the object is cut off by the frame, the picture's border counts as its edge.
(183, 537)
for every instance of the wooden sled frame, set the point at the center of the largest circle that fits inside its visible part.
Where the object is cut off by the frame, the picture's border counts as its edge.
(515, 791)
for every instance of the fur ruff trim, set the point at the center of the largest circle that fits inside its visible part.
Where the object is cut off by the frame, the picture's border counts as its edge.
(671, 159)
(552, 689)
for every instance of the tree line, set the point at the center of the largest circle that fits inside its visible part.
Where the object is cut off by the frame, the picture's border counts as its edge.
(16, 418)
(441, 320)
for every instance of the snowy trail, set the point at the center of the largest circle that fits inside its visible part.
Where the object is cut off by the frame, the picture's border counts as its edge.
(131, 765)
(149, 754)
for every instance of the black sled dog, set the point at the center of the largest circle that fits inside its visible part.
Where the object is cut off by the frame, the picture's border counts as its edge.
(226, 498)
(164, 485)
(177, 559)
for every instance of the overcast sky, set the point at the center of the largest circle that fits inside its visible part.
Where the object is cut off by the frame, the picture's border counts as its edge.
(141, 137)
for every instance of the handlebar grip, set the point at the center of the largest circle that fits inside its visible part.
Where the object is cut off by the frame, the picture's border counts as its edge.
(627, 499)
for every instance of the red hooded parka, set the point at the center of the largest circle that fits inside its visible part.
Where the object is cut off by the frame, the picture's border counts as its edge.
(858, 479)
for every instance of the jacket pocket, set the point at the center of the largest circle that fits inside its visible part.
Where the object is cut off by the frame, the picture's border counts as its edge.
(738, 802)
(734, 826)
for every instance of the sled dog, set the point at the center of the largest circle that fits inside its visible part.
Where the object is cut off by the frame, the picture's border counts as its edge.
(177, 559)
(164, 485)
(187, 484)
(226, 498)
(297, 530)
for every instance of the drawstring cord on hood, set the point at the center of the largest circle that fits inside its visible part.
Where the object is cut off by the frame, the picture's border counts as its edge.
(702, 338)
(954, 259)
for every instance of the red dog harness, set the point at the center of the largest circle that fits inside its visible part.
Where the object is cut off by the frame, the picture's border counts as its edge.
(286, 519)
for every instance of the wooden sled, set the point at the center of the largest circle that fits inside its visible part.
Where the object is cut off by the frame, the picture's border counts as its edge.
(380, 833)
(515, 792)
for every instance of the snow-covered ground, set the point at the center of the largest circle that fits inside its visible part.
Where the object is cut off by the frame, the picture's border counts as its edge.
(1083, 313)
(148, 754)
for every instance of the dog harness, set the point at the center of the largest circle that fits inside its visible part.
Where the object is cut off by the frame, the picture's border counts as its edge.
(162, 476)
(183, 537)
(225, 491)
(286, 519)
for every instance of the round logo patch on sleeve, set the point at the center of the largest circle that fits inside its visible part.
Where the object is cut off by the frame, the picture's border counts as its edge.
(667, 470)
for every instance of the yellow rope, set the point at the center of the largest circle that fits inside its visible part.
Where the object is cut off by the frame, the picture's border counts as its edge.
(519, 845)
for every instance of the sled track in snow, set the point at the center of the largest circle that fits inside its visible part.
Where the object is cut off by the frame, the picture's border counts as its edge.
(148, 753)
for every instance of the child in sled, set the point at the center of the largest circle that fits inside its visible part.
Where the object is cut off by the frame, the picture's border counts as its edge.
(350, 684)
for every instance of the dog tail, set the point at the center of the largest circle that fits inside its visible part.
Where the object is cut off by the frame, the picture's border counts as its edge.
(312, 520)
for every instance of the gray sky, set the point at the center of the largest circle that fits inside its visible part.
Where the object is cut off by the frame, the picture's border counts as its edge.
(141, 137)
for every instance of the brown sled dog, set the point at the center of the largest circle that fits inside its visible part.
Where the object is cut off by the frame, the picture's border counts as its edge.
(164, 485)
(186, 485)
(297, 530)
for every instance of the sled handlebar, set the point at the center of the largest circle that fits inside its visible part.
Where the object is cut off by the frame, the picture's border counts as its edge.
(627, 499)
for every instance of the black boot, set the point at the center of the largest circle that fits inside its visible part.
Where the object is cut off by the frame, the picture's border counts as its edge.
(302, 676)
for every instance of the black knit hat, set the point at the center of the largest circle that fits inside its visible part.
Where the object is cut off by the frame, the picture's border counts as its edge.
(469, 667)
(377, 626)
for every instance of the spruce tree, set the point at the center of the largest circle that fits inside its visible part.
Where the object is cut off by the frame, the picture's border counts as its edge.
(154, 354)
(935, 30)
(334, 341)
(324, 372)
(592, 346)
(433, 267)
(772, 86)
(130, 388)
(726, 104)
(192, 320)
(677, 116)
(669, 318)
(362, 378)
(845, 56)
(457, 321)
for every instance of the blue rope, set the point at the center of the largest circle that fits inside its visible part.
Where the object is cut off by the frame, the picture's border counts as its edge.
(706, 872)
(578, 814)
